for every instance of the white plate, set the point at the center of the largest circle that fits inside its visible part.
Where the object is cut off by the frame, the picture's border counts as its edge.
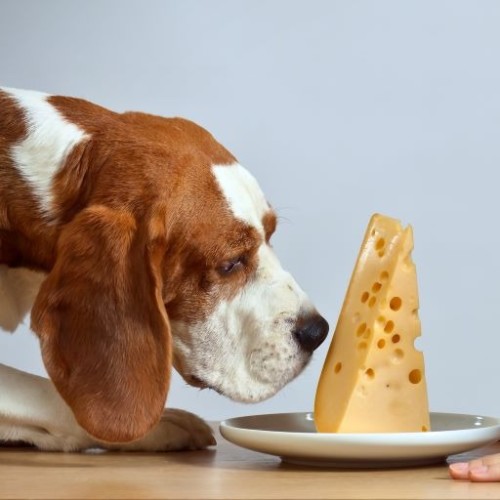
(292, 436)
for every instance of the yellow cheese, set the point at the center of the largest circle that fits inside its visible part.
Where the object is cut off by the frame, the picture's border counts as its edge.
(373, 378)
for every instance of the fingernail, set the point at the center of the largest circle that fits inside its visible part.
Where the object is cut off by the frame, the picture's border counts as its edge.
(479, 470)
(459, 466)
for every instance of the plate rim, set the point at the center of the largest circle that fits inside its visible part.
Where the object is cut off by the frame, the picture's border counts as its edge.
(226, 424)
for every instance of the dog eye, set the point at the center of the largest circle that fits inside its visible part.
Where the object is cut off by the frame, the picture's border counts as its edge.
(230, 266)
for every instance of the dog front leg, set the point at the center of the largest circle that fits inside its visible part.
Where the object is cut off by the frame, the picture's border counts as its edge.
(32, 411)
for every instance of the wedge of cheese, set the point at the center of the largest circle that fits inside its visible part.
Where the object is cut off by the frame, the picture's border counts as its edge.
(373, 378)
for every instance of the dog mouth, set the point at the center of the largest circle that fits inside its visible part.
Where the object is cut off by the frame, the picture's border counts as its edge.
(189, 378)
(195, 381)
(198, 382)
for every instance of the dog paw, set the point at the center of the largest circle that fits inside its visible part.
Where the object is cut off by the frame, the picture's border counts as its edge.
(177, 430)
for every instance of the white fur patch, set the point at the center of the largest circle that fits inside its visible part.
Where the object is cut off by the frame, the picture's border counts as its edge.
(49, 141)
(243, 194)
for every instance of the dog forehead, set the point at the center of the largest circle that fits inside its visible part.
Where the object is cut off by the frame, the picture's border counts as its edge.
(242, 193)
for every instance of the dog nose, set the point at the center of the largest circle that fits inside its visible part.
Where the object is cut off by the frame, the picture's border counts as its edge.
(310, 331)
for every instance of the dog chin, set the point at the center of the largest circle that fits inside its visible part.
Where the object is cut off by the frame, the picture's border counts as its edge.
(251, 396)
(250, 392)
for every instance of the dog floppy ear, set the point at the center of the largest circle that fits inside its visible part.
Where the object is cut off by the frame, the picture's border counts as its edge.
(103, 329)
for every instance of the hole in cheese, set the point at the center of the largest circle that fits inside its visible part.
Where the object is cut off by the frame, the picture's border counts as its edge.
(398, 355)
(396, 338)
(395, 303)
(364, 297)
(381, 344)
(415, 376)
(416, 344)
(381, 319)
(381, 253)
(361, 329)
(376, 287)
(424, 428)
(372, 301)
(389, 327)
(384, 275)
(380, 244)
(370, 373)
(362, 346)
(338, 367)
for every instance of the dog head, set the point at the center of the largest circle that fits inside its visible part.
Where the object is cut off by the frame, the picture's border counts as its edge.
(241, 324)
(169, 261)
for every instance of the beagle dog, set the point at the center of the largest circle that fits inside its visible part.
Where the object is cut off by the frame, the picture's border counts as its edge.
(136, 243)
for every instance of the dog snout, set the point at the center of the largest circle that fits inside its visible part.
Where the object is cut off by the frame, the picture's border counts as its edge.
(310, 331)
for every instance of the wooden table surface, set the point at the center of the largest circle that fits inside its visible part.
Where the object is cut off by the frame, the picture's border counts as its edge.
(226, 471)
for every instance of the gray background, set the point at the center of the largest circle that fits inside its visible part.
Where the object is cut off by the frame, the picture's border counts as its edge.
(340, 109)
